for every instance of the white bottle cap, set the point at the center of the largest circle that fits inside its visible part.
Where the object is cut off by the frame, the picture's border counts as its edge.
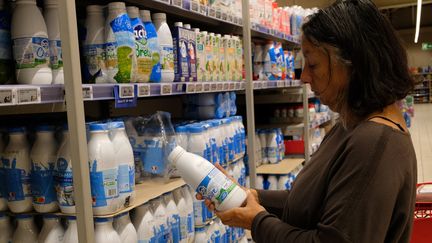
(175, 154)
(133, 12)
(211, 34)
(178, 24)
(187, 26)
(218, 35)
(145, 15)
(204, 32)
(196, 29)
(94, 9)
(159, 16)
(50, 2)
(116, 6)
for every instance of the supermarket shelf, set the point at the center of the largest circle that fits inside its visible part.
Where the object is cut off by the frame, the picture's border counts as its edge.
(293, 123)
(281, 168)
(259, 31)
(267, 84)
(420, 95)
(323, 117)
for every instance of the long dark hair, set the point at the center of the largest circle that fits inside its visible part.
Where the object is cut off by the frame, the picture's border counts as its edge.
(367, 41)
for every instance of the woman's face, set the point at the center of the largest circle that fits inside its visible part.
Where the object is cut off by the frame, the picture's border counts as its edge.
(327, 76)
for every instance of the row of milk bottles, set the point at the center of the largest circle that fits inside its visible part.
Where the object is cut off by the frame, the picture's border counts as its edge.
(218, 140)
(41, 177)
(270, 146)
(277, 182)
(210, 105)
(36, 42)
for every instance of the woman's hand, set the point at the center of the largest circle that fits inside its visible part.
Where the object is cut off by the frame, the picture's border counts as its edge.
(242, 216)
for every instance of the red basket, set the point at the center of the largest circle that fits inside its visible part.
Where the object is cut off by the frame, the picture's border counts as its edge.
(423, 214)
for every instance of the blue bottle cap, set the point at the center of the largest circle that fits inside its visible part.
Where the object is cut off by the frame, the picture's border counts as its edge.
(50, 216)
(45, 128)
(71, 217)
(23, 216)
(182, 129)
(121, 215)
(195, 129)
(116, 125)
(103, 220)
(17, 130)
(98, 127)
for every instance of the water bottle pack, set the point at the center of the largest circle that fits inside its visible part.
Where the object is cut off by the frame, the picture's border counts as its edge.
(277, 182)
(210, 105)
(272, 145)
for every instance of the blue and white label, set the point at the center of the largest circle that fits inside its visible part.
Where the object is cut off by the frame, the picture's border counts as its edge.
(153, 156)
(200, 212)
(31, 52)
(56, 59)
(124, 179)
(17, 180)
(5, 37)
(190, 224)
(175, 227)
(103, 185)
(215, 186)
(3, 188)
(94, 55)
(42, 183)
(64, 183)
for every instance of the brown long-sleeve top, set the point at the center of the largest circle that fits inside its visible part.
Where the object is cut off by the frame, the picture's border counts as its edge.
(358, 187)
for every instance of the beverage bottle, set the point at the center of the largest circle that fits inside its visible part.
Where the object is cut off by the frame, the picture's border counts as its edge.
(125, 228)
(283, 183)
(200, 55)
(71, 233)
(124, 158)
(6, 62)
(272, 146)
(201, 235)
(104, 231)
(6, 229)
(142, 70)
(161, 220)
(206, 179)
(183, 213)
(273, 182)
(146, 227)
(43, 158)
(103, 170)
(173, 216)
(166, 47)
(214, 232)
(26, 231)
(221, 55)
(52, 230)
(94, 45)
(30, 44)
(216, 58)
(17, 166)
(3, 191)
(153, 44)
(196, 140)
(262, 134)
(199, 209)
(119, 45)
(63, 176)
(190, 217)
(53, 26)
(259, 182)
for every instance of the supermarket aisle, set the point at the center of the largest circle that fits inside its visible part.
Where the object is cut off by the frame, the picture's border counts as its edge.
(421, 134)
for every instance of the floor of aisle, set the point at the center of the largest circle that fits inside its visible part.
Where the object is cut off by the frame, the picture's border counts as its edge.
(421, 134)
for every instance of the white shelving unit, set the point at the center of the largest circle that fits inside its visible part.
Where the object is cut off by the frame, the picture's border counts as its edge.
(71, 97)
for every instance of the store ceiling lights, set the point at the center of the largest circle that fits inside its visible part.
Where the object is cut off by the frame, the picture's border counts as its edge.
(419, 7)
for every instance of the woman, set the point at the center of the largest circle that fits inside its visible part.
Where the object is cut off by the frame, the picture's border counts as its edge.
(360, 185)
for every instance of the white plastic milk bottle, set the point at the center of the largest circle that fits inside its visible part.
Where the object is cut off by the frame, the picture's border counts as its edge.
(93, 48)
(146, 227)
(52, 230)
(190, 218)
(143, 65)
(124, 159)
(6, 229)
(103, 170)
(52, 21)
(6, 62)
(3, 191)
(196, 141)
(166, 47)
(154, 47)
(283, 182)
(26, 231)
(201, 235)
(120, 45)
(272, 146)
(173, 216)
(30, 44)
(63, 178)
(71, 234)
(273, 182)
(263, 140)
(104, 231)
(183, 213)
(206, 179)
(125, 228)
(161, 220)
(43, 158)
(17, 166)
(259, 182)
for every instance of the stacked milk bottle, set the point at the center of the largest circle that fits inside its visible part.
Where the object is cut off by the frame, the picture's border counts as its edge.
(209, 106)
(272, 145)
(277, 182)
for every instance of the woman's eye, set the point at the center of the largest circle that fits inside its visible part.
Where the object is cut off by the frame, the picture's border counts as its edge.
(312, 66)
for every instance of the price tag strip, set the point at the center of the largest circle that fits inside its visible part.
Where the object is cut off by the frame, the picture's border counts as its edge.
(259, 85)
(29, 95)
(238, 85)
(166, 89)
(219, 87)
(225, 86)
(190, 88)
(7, 96)
(264, 84)
(207, 87)
(143, 90)
(232, 86)
(213, 87)
(199, 88)
(243, 85)
(87, 92)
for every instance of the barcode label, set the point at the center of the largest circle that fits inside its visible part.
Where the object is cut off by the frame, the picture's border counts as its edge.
(232, 86)
(126, 91)
(166, 89)
(7, 97)
(87, 92)
(112, 192)
(190, 88)
(143, 90)
(219, 87)
(226, 86)
(199, 88)
(29, 95)
(207, 87)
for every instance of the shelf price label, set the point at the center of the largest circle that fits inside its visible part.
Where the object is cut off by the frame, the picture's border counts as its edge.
(178, 88)
(219, 87)
(125, 95)
(207, 87)
(225, 86)
(264, 84)
(255, 85)
(126, 91)
(232, 86)
(238, 85)
(243, 85)
(259, 85)
(143, 90)
(87, 92)
(199, 88)
(280, 84)
(29, 95)
(213, 87)
(190, 88)
(7, 96)
(166, 89)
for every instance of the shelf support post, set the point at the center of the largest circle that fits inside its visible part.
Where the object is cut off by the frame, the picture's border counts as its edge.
(306, 122)
(76, 120)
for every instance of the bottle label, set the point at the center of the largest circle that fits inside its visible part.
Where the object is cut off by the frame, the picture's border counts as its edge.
(64, 183)
(122, 54)
(31, 52)
(5, 37)
(153, 156)
(123, 179)
(103, 185)
(183, 227)
(56, 60)
(167, 58)
(144, 56)
(3, 188)
(17, 180)
(154, 48)
(42, 183)
(200, 212)
(215, 186)
(190, 223)
(175, 227)
(94, 55)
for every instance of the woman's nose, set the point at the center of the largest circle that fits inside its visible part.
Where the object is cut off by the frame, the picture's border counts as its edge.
(305, 76)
